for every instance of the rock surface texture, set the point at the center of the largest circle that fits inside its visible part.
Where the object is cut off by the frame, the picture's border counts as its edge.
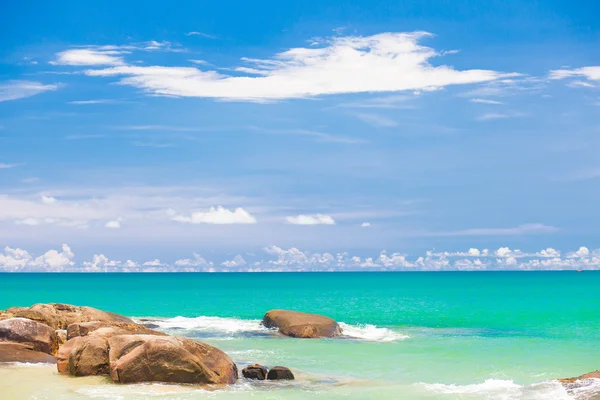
(280, 373)
(38, 336)
(301, 325)
(148, 358)
(60, 316)
(255, 371)
(18, 352)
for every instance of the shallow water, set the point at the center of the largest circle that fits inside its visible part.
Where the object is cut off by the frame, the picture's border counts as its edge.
(500, 335)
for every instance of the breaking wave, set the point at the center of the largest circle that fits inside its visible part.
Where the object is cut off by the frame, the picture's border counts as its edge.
(228, 328)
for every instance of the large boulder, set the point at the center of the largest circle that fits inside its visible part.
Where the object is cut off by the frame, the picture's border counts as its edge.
(19, 352)
(280, 373)
(301, 325)
(83, 356)
(86, 350)
(38, 336)
(255, 371)
(149, 358)
(86, 328)
(60, 316)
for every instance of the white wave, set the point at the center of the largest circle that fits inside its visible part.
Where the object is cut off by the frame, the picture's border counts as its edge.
(498, 389)
(212, 324)
(371, 333)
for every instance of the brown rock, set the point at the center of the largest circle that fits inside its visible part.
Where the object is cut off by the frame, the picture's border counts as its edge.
(18, 352)
(301, 325)
(61, 336)
(280, 373)
(591, 375)
(85, 328)
(149, 358)
(21, 330)
(59, 316)
(83, 356)
(255, 371)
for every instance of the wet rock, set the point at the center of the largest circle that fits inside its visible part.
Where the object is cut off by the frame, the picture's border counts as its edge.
(301, 325)
(19, 352)
(149, 358)
(255, 371)
(38, 336)
(84, 356)
(280, 373)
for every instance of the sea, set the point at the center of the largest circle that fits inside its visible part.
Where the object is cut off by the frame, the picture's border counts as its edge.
(407, 335)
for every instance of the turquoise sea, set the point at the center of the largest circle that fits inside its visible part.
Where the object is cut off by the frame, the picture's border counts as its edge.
(409, 335)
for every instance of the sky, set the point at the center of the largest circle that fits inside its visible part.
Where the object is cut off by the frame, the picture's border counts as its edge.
(270, 136)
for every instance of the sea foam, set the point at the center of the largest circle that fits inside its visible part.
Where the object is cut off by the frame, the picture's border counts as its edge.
(498, 389)
(226, 328)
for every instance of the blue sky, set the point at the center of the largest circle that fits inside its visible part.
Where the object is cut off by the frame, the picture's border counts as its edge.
(304, 135)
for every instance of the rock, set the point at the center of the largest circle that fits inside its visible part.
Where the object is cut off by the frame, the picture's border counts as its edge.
(83, 356)
(301, 325)
(280, 373)
(591, 375)
(85, 328)
(18, 352)
(38, 336)
(61, 335)
(60, 316)
(149, 358)
(255, 371)
(151, 326)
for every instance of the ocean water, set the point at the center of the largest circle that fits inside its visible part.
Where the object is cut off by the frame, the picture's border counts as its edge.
(416, 335)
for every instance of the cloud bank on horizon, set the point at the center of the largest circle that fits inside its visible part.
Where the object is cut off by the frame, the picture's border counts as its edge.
(345, 138)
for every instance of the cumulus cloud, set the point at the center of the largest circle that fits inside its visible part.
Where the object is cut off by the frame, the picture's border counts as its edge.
(386, 62)
(238, 261)
(216, 215)
(365, 224)
(314, 219)
(116, 224)
(18, 89)
(590, 73)
(49, 200)
(294, 259)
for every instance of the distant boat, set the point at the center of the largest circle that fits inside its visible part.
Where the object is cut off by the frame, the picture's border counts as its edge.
(579, 270)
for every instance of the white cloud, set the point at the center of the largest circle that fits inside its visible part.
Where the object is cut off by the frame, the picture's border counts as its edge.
(489, 116)
(314, 219)
(88, 57)
(376, 120)
(202, 34)
(590, 73)
(485, 101)
(383, 102)
(97, 101)
(7, 166)
(386, 62)
(293, 259)
(198, 261)
(365, 224)
(14, 90)
(238, 261)
(218, 215)
(116, 224)
(49, 200)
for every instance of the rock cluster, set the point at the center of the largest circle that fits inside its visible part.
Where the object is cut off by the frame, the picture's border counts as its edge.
(87, 341)
(301, 325)
(259, 372)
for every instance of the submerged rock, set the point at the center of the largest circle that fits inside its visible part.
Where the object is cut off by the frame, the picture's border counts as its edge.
(38, 336)
(148, 358)
(19, 352)
(280, 373)
(301, 325)
(60, 316)
(255, 371)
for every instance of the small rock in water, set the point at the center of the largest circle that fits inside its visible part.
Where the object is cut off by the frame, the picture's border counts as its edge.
(151, 326)
(280, 373)
(255, 371)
